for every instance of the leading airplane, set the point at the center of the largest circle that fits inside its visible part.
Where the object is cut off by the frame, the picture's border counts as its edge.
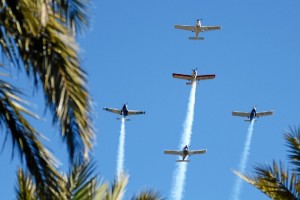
(197, 29)
(124, 112)
(253, 114)
(194, 77)
(184, 153)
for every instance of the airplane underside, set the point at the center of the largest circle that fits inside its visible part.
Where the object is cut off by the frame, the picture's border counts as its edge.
(197, 37)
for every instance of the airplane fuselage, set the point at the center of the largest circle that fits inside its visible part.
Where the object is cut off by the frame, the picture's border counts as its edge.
(198, 24)
(185, 152)
(193, 77)
(253, 114)
(198, 29)
(124, 110)
(184, 155)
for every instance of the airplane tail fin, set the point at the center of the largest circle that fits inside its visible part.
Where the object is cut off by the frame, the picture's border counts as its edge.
(196, 38)
(126, 119)
(182, 161)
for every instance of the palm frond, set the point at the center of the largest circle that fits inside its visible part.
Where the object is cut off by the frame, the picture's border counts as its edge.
(101, 192)
(82, 183)
(49, 55)
(118, 188)
(148, 195)
(274, 181)
(39, 161)
(25, 187)
(292, 138)
(73, 12)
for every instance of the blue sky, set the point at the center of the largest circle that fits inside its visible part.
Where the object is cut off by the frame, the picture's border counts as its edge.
(130, 53)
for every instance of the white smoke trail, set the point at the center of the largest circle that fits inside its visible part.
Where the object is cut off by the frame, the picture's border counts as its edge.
(121, 150)
(243, 162)
(179, 173)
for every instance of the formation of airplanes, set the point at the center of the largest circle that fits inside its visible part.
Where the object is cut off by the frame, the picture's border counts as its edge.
(194, 77)
(197, 29)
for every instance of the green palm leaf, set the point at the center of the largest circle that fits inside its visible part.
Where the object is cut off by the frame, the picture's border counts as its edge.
(148, 195)
(25, 188)
(82, 183)
(39, 161)
(74, 13)
(274, 181)
(292, 138)
(118, 188)
(49, 55)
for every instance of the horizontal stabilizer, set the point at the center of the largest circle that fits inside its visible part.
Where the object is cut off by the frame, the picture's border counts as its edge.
(190, 83)
(182, 161)
(196, 38)
(248, 120)
(126, 119)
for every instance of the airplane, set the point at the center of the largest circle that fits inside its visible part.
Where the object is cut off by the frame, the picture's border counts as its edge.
(193, 77)
(124, 112)
(253, 114)
(185, 152)
(197, 29)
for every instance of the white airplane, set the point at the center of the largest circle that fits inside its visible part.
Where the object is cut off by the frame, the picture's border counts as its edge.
(197, 29)
(253, 114)
(194, 77)
(124, 112)
(185, 152)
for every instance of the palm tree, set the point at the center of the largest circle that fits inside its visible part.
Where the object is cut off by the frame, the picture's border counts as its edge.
(39, 36)
(80, 183)
(276, 181)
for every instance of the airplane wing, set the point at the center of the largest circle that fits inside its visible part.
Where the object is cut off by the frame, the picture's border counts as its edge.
(210, 28)
(135, 112)
(185, 27)
(173, 152)
(265, 113)
(113, 110)
(241, 114)
(205, 77)
(182, 76)
(202, 151)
